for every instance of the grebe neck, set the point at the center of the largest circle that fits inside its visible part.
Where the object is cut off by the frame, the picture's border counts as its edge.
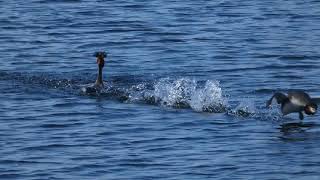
(99, 81)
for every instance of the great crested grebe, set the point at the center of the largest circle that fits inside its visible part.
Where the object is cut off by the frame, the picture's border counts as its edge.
(98, 85)
(295, 101)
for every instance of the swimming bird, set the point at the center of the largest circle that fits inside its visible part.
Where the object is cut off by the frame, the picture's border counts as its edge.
(98, 85)
(295, 101)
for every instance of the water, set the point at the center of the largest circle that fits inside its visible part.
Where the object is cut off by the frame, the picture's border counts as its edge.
(186, 85)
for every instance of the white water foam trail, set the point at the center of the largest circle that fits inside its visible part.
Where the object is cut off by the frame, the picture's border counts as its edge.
(205, 96)
(182, 93)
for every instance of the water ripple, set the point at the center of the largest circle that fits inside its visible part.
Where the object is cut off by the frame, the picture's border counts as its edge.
(185, 89)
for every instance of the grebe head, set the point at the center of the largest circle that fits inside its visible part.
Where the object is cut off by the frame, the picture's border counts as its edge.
(100, 58)
(310, 109)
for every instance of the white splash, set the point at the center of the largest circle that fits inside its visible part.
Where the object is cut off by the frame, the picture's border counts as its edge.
(246, 108)
(174, 93)
(185, 92)
(209, 98)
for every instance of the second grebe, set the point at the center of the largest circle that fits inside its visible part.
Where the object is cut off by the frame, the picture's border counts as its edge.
(295, 101)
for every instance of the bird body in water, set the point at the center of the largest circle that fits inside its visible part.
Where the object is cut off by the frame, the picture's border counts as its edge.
(295, 101)
(98, 85)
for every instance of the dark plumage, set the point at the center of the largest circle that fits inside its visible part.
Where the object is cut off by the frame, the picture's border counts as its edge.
(295, 101)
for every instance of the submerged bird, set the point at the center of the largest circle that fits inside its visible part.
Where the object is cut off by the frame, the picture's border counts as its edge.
(295, 101)
(98, 85)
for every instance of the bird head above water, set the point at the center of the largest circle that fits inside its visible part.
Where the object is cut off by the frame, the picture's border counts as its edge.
(100, 58)
(100, 61)
(310, 109)
(98, 85)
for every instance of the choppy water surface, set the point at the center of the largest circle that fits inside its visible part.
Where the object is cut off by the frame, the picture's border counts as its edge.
(186, 85)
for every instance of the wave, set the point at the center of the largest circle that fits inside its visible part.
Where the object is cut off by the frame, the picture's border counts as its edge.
(183, 92)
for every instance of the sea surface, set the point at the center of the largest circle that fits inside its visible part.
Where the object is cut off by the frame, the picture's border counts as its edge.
(186, 84)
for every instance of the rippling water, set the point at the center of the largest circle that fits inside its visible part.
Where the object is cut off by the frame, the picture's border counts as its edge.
(186, 85)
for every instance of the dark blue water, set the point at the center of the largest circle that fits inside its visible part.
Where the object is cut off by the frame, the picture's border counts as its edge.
(185, 89)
